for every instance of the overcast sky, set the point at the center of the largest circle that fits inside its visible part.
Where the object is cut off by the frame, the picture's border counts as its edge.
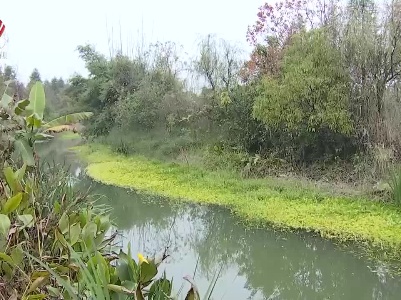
(45, 33)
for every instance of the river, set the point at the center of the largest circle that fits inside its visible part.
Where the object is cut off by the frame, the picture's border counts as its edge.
(251, 263)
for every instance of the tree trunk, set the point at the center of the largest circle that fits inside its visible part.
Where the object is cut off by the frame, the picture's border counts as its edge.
(381, 130)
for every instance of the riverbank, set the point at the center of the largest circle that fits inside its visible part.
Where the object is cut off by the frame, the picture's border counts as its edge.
(254, 200)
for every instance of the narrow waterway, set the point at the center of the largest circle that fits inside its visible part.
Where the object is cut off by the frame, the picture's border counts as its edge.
(251, 263)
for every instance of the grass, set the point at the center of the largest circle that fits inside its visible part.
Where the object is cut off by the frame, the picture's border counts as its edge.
(262, 201)
(155, 143)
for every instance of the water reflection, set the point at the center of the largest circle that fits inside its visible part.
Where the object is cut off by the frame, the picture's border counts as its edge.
(254, 263)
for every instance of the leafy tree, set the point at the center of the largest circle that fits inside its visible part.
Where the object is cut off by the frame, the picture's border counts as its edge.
(311, 96)
(35, 76)
(9, 73)
(237, 127)
(322, 81)
(274, 28)
(125, 92)
(264, 60)
(372, 47)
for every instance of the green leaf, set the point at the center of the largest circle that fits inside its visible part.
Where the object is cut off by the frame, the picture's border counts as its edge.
(100, 239)
(36, 274)
(5, 100)
(36, 297)
(75, 231)
(67, 119)
(132, 266)
(60, 238)
(6, 258)
(123, 271)
(37, 100)
(5, 225)
(18, 111)
(54, 292)
(17, 254)
(97, 265)
(83, 217)
(12, 203)
(25, 151)
(120, 289)
(89, 232)
(43, 136)
(20, 108)
(8, 270)
(27, 220)
(56, 207)
(128, 284)
(23, 103)
(161, 285)
(34, 120)
(63, 223)
(62, 269)
(69, 290)
(38, 282)
(148, 271)
(11, 180)
(103, 223)
(19, 174)
(25, 204)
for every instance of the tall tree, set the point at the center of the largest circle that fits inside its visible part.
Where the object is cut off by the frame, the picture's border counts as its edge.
(271, 33)
(9, 73)
(35, 76)
(218, 63)
(310, 98)
(372, 51)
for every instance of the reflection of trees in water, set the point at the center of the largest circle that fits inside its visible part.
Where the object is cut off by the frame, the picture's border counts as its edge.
(132, 209)
(55, 156)
(213, 241)
(309, 267)
(300, 266)
(57, 150)
(149, 222)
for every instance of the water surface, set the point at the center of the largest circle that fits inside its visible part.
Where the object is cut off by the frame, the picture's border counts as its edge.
(252, 263)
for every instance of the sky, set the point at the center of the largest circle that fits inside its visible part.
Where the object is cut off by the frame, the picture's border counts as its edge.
(45, 33)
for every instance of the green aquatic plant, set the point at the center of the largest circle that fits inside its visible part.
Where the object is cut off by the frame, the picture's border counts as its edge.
(257, 200)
